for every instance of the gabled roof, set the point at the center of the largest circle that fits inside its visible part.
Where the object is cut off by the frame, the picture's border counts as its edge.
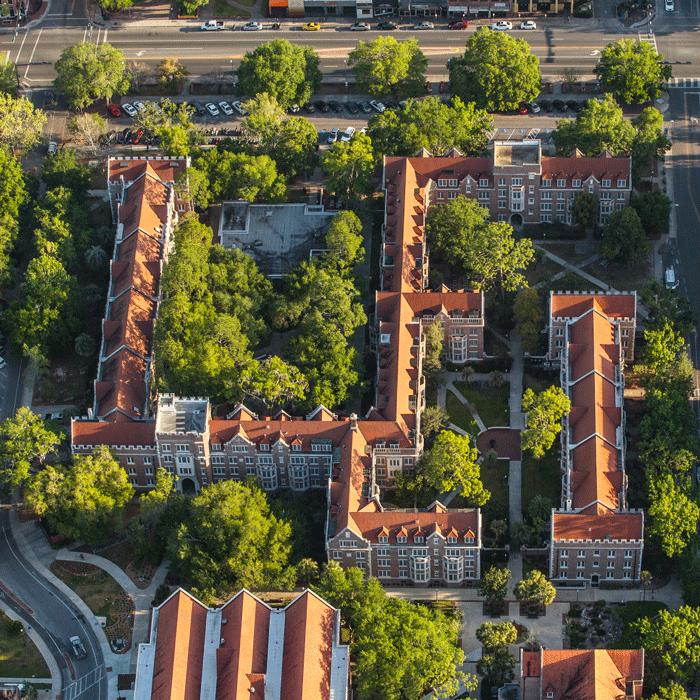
(597, 523)
(622, 305)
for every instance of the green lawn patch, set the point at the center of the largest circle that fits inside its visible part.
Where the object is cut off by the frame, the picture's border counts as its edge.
(492, 479)
(224, 9)
(490, 404)
(460, 415)
(541, 477)
(19, 658)
(572, 282)
(637, 609)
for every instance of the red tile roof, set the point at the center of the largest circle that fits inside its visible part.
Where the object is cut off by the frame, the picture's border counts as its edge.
(596, 523)
(88, 433)
(611, 305)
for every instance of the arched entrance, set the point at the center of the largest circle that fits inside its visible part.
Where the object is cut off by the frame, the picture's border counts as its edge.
(516, 220)
(188, 487)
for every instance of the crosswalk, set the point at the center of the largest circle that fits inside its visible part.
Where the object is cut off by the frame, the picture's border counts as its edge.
(648, 38)
(85, 683)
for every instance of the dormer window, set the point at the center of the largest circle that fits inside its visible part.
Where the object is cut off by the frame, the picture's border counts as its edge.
(265, 447)
(385, 338)
(401, 539)
(452, 540)
(296, 447)
(383, 539)
(418, 540)
(546, 183)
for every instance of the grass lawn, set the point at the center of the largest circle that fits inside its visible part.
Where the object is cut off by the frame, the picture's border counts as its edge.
(622, 276)
(492, 479)
(67, 381)
(490, 404)
(19, 658)
(459, 414)
(541, 271)
(541, 477)
(571, 281)
(222, 8)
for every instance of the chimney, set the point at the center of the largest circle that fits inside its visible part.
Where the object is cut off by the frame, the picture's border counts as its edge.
(353, 421)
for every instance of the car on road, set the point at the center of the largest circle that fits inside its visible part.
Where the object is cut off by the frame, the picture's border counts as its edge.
(574, 106)
(423, 25)
(669, 6)
(529, 24)
(239, 107)
(52, 148)
(348, 133)
(365, 106)
(378, 106)
(522, 108)
(333, 135)
(386, 26)
(558, 104)
(309, 108)
(460, 24)
(78, 648)
(546, 105)
(212, 109)
(114, 111)
(129, 109)
(501, 26)
(140, 106)
(322, 106)
(359, 27)
(225, 108)
(311, 27)
(252, 27)
(352, 107)
(335, 106)
(533, 108)
(670, 278)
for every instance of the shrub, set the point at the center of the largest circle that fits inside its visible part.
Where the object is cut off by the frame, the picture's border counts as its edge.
(575, 612)
(14, 628)
(162, 593)
(599, 604)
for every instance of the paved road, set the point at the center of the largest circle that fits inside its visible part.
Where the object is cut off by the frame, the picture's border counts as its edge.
(54, 618)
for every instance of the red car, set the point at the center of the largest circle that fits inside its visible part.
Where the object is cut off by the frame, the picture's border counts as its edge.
(461, 24)
(114, 110)
(136, 137)
(522, 108)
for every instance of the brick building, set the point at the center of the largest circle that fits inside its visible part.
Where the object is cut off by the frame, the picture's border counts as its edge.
(594, 536)
(243, 649)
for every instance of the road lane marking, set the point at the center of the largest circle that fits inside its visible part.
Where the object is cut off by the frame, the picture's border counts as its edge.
(31, 58)
(687, 154)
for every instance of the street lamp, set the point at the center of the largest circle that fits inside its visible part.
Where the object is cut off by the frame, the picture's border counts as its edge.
(345, 72)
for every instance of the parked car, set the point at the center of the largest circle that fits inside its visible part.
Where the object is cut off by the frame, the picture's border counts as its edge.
(558, 104)
(125, 136)
(322, 106)
(352, 107)
(669, 5)
(546, 105)
(428, 87)
(311, 27)
(378, 106)
(348, 133)
(293, 108)
(114, 111)
(136, 137)
(423, 25)
(335, 106)
(386, 26)
(574, 106)
(310, 109)
(359, 27)
(522, 108)
(459, 24)
(533, 108)
(391, 104)
(129, 109)
(140, 106)
(529, 24)
(333, 135)
(252, 27)
(198, 107)
(239, 107)
(501, 26)
(225, 108)
(212, 109)
(365, 106)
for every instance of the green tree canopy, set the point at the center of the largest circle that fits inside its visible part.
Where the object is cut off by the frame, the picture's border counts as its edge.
(387, 66)
(649, 140)
(632, 71)
(433, 421)
(287, 72)
(654, 209)
(65, 170)
(623, 237)
(20, 123)
(349, 167)
(498, 666)
(529, 320)
(492, 636)
(666, 305)
(673, 691)
(673, 511)
(231, 540)
(584, 209)
(432, 125)
(535, 589)
(12, 188)
(544, 413)
(9, 80)
(663, 347)
(494, 586)
(273, 382)
(24, 438)
(344, 240)
(86, 73)
(85, 500)
(172, 75)
(496, 72)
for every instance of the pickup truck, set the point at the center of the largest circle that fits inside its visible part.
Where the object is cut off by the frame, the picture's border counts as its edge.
(212, 26)
(78, 648)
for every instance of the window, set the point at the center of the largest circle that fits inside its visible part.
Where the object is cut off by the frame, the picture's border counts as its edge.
(564, 553)
(483, 182)
(403, 573)
(359, 555)
(217, 459)
(611, 564)
(337, 555)
(418, 540)
(149, 472)
(531, 189)
(167, 458)
(383, 539)
(546, 183)
(148, 460)
(606, 183)
(181, 448)
(130, 460)
(452, 195)
(132, 470)
(150, 482)
(265, 447)
(545, 206)
(296, 447)
(561, 195)
(531, 201)
(250, 460)
(628, 553)
(564, 564)
(517, 182)
(502, 217)
(561, 183)
(545, 195)
(581, 553)
(384, 562)
(384, 574)
(165, 448)
(501, 193)
(401, 539)
(627, 565)
(596, 564)
(442, 183)
(501, 181)
(576, 183)
(564, 574)
(452, 540)
(627, 574)
(561, 206)
(622, 183)
(233, 460)
(611, 555)
(502, 205)
(219, 471)
(453, 183)
(216, 447)
(580, 564)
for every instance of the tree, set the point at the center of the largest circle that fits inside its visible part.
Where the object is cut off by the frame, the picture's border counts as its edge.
(529, 321)
(386, 66)
(289, 73)
(496, 72)
(673, 691)
(663, 347)
(273, 382)
(86, 73)
(85, 345)
(189, 8)
(433, 421)
(673, 511)
(87, 129)
(654, 210)
(599, 126)
(535, 590)
(85, 500)
(20, 123)
(671, 643)
(492, 636)
(544, 413)
(498, 666)
(153, 503)
(307, 572)
(12, 187)
(344, 240)
(432, 125)
(645, 581)
(453, 464)
(498, 528)
(434, 358)
(649, 140)
(584, 209)
(349, 167)
(666, 305)
(138, 74)
(494, 587)
(24, 438)
(8, 76)
(95, 257)
(14, 628)
(172, 75)
(540, 508)
(65, 170)
(231, 541)
(623, 237)
(632, 71)
(8, 235)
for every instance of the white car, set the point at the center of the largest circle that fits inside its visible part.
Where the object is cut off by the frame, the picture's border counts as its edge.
(669, 5)
(501, 26)
(212, 109)
(528, 25)
(359, 27)
(129, 109)
(140, 106)
(252, 27)
(424, 25)
(239, 107)
(225, 108)
(333, 136)
(378, 106)
(348, 133)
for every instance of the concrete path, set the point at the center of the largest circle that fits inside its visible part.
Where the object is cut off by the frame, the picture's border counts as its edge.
(517, 422)
(469, 407)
